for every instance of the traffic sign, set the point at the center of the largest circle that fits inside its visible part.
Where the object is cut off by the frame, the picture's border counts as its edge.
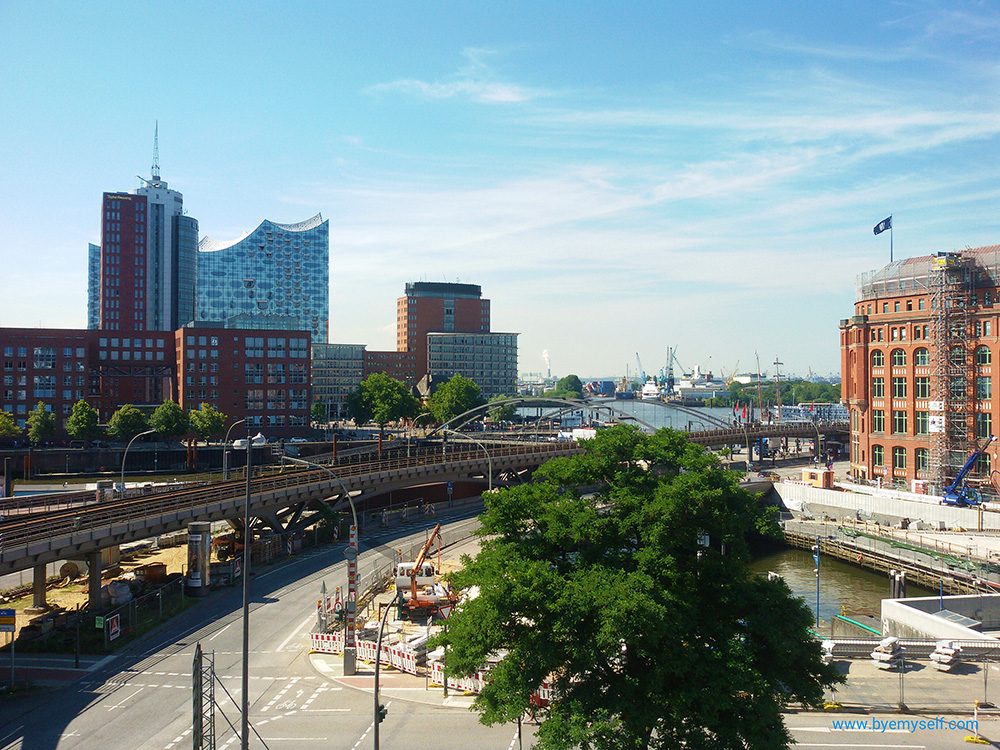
(114, 627)
(237, 567)
(8, 620)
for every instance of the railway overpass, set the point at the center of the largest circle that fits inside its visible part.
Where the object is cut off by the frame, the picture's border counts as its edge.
(287, 502)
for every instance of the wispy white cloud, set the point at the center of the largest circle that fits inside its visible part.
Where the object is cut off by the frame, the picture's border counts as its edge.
(476, 80)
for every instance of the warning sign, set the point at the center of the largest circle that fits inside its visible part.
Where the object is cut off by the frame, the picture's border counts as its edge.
(114, 627)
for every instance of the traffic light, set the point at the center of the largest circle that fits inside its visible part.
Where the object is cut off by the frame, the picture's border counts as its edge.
(381, 712)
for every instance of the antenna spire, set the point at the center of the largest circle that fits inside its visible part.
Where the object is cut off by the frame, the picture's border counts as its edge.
(155, 169)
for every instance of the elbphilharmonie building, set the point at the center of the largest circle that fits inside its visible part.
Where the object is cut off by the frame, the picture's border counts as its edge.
(276, 277)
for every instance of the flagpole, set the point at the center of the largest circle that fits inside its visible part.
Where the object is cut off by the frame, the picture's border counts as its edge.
(890, 242)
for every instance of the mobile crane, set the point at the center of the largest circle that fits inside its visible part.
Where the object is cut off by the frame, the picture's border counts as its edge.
(957, 493)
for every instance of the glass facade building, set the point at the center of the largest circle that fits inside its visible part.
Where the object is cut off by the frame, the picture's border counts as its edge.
(337, 371)
(490, 359)
(277, 271)
(93, 286)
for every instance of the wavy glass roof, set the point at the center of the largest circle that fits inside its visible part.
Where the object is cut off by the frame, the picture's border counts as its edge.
(210, 245)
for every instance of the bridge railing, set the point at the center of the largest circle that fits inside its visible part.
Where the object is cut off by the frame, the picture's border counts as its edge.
(24, 531)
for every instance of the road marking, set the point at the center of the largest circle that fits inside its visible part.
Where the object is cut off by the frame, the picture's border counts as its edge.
(325, 710)
(221, 632)
(296, 632)
(855, 745)
(513, 741)
(122, 701)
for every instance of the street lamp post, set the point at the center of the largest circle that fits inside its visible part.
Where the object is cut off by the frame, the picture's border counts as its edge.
(125, 455)
(225, 450)
(245, 697)
(378, 653)
(351, 553)
(816, 559)
(489, 460)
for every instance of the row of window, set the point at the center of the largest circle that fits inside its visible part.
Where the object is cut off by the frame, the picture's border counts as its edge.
(922, 357)
(924, 424)
(921, 459)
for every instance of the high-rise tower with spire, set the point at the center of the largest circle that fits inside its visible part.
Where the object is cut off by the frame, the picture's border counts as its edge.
(148, 257)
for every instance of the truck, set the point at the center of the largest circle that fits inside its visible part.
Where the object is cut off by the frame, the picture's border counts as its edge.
(957, 493)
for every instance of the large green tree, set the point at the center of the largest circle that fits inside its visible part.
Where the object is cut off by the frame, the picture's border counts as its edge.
(83, 423)
(169, 419)
(501, 413)
(568, 387)
(41, 424)
(8, 427)
(381, 399)
(648, 637)
(454, 397)
(207, 421)
(127, 422)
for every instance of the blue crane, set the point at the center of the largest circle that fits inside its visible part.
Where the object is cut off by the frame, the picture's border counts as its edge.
(957, 493)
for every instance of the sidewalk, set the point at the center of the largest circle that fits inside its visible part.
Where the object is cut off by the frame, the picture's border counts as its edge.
(48, 670)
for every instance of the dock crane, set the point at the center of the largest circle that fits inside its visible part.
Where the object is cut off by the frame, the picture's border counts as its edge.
(671, 356)
(641, 371)
(957, 493)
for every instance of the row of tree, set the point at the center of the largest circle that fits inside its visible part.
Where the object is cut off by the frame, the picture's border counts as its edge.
(382, 400)
(169, 420)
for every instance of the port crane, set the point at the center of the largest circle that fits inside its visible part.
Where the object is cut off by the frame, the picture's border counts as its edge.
(641, 372)
(671, 356)
(957, 493)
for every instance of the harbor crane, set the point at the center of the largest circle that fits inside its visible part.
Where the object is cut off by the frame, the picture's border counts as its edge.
(641, 372)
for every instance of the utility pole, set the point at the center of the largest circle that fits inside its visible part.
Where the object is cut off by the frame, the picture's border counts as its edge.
(777, 385)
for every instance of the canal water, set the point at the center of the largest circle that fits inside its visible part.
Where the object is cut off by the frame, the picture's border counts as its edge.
(843, 588)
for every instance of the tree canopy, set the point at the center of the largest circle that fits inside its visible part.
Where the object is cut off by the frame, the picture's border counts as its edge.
(504, 413)
(41, 424)
(318, 412)
(169, 419)
(568, 387)
(127, 422)
(649, 638)
(8, 427)
(83, 423)
(206, 421)
(381, 399)
(454, 397)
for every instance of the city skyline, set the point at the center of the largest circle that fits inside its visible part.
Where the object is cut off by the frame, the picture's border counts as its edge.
(617, 181)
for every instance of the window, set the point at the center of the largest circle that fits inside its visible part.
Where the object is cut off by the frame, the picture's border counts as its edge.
(983, 465)
(878, 420)
(922, 387)
(922, 423)
(878, 358)
(957, 356)
(922, 357)
(895, 307)
(983, 356)
(899, 422)
(984, 424)
(899, 387)
(878, 455)
(898, 358)
(920, 304)
(878, 387)
(898, 457)
(984, 387)
(922, 458)
(956, 387)
(909, 305)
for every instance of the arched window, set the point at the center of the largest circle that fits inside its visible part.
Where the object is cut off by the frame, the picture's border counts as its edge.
(921, 357)
(898, 358)
(878, 358)
(957, 356)
(898, 457)
(878, 455)
(983, 355)
(922, 458)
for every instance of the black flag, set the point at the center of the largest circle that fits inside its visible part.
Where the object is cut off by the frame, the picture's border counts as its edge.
(883, 225)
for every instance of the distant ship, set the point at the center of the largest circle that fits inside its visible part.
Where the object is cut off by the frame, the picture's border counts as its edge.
(651, 391)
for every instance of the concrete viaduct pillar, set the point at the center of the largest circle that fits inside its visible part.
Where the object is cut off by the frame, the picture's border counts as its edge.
(94, 580)
(38, 603)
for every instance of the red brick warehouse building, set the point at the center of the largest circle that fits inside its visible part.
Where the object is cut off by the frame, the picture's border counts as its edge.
(917, 368)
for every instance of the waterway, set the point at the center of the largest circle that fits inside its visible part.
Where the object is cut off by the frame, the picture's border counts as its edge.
(843, 588)
(658, 415)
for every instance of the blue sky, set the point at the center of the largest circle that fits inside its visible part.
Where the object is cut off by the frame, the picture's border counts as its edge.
(619, 178)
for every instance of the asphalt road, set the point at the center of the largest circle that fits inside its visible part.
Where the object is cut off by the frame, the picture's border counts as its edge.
(142, 698)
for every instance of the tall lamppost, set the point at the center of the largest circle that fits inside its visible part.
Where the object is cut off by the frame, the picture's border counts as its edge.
(489, 460)
(245, 697)
(225, 449)
(816, 559)
(351, 553)
(125, 455)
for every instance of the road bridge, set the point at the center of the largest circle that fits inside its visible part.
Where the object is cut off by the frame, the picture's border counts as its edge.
(288, 501)
(746, 434)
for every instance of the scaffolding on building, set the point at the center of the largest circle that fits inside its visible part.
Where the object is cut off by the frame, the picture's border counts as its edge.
(953, 381)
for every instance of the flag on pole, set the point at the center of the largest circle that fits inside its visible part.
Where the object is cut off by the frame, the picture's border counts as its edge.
(744, 412)
(883, 225)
